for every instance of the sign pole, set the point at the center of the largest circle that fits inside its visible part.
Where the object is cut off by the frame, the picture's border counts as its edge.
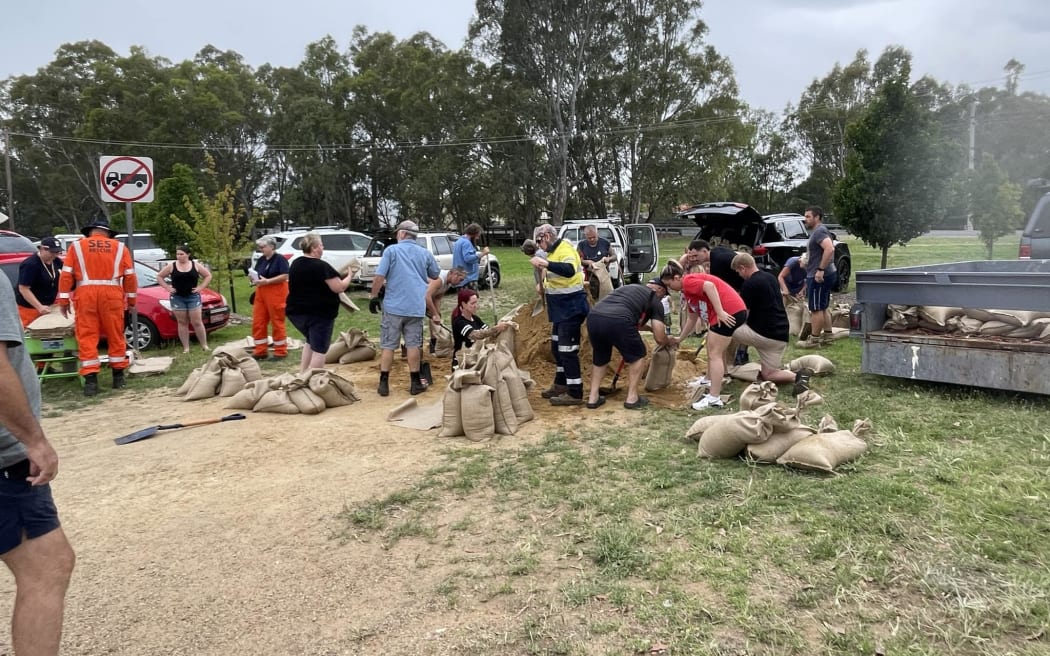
(131, 249)
(10, 188)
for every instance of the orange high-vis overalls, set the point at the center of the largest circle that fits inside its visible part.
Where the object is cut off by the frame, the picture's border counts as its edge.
(105, 276)
(268, 309)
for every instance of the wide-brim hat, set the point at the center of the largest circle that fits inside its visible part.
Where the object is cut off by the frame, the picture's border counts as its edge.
(98, 223)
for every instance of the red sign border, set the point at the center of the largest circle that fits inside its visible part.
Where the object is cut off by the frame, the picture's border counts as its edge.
(141, 164)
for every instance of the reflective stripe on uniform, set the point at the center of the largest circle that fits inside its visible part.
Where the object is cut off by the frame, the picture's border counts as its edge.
(564, 290)
(569, 349)
(112, 360)
(63, 295)
(262, 341)
(574, 381)
(117, 260)
(89, 363)
(67, 269)
(279, 342)
(107, 283)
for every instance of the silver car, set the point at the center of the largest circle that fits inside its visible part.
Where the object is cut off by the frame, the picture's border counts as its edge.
(1035, 240)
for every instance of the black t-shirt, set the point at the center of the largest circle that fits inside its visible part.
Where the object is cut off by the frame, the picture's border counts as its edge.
(722, 267)
(40, 279)
(308, 293)
(629, 303)
(461, 330)
(184, 281)
(765, 306)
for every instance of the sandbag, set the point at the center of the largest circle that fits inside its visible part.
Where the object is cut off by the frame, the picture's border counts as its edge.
(901, 317)
(337, 349)
(600, 272)
(728, 438)
(322, 384)
(996, 328)
(661, 368)
(232, 381)
(519, 396)
(497, 359)
(504, 419)
(306, 401)
(249, 395)
(463, 377)
(508, 339)
(807, 398)
(695, 431)
(746, 372)
(445, 342)
(250, 369)
(827, 424)
(205, 385)
(475, 402)
(276, 401)
(778, 444)
(818, 363)
(937, 315)
(757, 394)
(823, 451)
(451, 419)
(190, 381)
(360, 353)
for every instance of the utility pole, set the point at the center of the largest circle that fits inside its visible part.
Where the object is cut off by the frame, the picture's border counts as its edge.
(973, 134)
(10, 188)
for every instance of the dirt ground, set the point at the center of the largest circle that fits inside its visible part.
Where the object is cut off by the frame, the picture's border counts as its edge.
(224, 539)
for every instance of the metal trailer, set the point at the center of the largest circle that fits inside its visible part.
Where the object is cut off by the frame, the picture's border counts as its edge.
(998, 363)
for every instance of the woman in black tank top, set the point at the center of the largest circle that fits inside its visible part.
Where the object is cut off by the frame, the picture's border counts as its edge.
(188, 278)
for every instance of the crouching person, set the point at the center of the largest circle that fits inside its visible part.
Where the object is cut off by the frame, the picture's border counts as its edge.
(615, 322)
(766, 327)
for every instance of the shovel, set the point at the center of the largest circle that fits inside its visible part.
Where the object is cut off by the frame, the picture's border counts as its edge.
(147, 433)
(608, 391)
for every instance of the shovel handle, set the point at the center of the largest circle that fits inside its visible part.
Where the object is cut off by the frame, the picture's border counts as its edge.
(203, 422)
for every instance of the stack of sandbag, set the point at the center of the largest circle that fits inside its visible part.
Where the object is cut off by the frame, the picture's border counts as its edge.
(970, 322)
(225, 373)
(308, 393)
(486, 395)
(351, 346)
(661, 368)
(51, 326)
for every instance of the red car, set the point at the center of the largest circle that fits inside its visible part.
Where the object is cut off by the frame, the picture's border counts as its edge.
(156, 323)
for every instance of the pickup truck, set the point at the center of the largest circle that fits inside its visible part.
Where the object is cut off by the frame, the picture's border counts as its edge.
(635, 245)
(438, 243)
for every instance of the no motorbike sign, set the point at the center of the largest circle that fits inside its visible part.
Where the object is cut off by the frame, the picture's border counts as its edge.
(125, 179)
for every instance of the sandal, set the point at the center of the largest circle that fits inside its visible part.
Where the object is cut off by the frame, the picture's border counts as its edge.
(597, 404)
(637, 405)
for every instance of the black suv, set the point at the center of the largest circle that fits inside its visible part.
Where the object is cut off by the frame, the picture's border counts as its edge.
(772, 239)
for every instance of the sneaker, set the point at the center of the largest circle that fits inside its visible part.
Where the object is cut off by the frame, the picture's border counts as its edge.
(565, 399)
(708, 402)
(384, 387)
(417, 387)
(118, 379)
(802, 377)
(637, 405)
(91, 385)
(554, 390)
(597, 404)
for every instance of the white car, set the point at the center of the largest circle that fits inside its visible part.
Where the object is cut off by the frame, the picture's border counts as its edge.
(340, 246)
(635, 245)
(438, 243)
(146, 250)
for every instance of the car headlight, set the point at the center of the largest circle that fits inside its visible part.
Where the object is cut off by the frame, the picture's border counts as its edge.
(166, 304)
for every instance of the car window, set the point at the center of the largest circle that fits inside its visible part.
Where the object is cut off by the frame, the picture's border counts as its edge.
(1042, 220)
(147, 276)
(11, 270)
(606, 234)
(441, 245)
(422, 241)
(358, 242)
(793, 230)
(141, 242)
(337, 242)
(296, 242)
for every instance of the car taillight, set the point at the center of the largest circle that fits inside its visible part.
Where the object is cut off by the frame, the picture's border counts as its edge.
(287, 256)
(759, 250)
(1025, 252)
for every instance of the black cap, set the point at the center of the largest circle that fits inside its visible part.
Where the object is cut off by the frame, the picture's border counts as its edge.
(51, 244)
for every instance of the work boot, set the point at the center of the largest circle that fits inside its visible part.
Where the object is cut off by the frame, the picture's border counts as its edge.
(91, 385)
(554, 390)
(118, 379)
(384, 387)
(802, 377)
(417, 387)
(565, 399)
(433, 345)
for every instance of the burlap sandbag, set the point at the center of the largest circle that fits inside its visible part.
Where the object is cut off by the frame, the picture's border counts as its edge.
(445, 342)
(190, 381)
(498, 359)
(206, 385)
(746, 372)
(937, 315)
(508, 339)
(337, 349)
(808, 398)
(661, 368)
(795, 308)
(519, 396)
(463, 377)
(901, 317)
(823, 451)
(818, 363)
(231, 383)
(276, 401)
(966, 325)
(324, 384)
(778, 444)
(250, 369)
(827, 424)
(306, 401)
(249, 395)
(728, 438)
(696, 431)
(451, 419)
(475, 403)
(1032, 331)
(360, 353)
(506, 422)
(757, 394)
(605, 287)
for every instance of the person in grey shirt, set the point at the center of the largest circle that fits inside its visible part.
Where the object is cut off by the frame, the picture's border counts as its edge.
(32, 543)
(821, 276)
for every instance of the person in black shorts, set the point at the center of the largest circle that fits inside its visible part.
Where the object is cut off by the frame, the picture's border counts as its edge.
(313, 300)
(615, 322)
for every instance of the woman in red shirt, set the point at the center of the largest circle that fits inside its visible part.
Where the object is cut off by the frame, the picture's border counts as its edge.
(725, 309)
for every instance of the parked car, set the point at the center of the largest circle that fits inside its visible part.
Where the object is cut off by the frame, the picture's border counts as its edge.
(146, 250)
(13, 249)
(156, 322)
(340, 246)
(635, 245)
(438, 243)
(1035, 238)
(67, 239)
(771, 239)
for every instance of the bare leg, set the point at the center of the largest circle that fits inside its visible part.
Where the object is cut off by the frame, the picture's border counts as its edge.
(42, 567)
(634, 376)
(306, 358)
(386, 358)
(198, 328)
(716, 367)
(597, 374)
(413, 359)
(316, 360)
(184, 329)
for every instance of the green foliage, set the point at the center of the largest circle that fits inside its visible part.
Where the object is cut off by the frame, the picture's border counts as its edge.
(169, 203)
(995, 203)
(897, 169)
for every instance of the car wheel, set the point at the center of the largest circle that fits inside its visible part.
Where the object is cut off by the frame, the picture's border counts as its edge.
(148, 335)
(844, 271)
(496, 279)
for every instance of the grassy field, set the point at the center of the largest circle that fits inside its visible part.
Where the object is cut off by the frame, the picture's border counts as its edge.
(619, 540)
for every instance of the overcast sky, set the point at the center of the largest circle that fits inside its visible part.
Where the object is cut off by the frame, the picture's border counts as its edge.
(776, 46)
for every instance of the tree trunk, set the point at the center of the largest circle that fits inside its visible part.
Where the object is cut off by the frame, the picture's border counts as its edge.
(885, 253)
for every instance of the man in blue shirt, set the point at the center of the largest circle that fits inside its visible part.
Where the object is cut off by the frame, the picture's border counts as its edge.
(406, 269)
(465, 255)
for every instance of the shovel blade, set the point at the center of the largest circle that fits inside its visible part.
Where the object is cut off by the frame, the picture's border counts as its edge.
(137, 435)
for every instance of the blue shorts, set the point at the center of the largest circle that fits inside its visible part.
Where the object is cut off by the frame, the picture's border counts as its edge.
(24, 509)
(316, 330)
(818, 294)
(605, 333)
(184, 303)
(393, 326)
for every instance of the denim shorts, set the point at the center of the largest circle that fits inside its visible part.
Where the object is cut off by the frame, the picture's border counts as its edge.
(24, 508)
(183, 303)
